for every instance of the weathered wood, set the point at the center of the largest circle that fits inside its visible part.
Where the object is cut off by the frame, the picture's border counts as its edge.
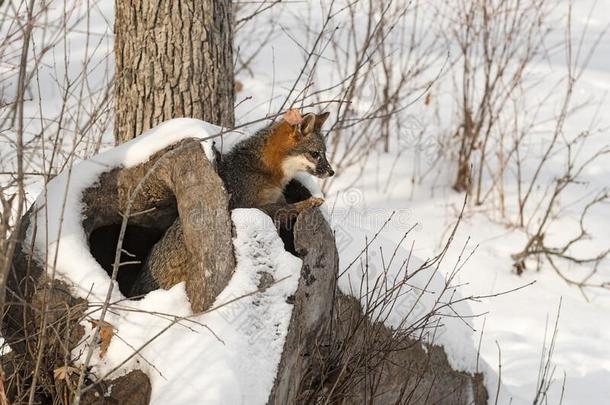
(131, 389)
(180, 185)
(334, 354)
(173, 59)
(313, 302)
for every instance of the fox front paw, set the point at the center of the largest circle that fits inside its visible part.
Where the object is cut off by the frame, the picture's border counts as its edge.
(311, 202)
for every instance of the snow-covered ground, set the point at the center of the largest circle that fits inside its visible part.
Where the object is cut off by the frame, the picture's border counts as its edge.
(361, 200)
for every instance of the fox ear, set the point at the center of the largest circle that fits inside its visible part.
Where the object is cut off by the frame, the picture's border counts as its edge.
(308, 124)
(321, 119)
(293, 117)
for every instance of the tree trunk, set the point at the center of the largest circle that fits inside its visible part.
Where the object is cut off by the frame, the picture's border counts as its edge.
(173, 59)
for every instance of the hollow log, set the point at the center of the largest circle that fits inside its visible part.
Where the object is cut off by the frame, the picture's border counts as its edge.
(179, 183)
(42, 316)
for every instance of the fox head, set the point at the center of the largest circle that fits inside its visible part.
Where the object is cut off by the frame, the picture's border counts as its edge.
(307, 151)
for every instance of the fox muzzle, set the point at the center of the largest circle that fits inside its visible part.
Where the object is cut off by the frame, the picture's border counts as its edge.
(323, 169)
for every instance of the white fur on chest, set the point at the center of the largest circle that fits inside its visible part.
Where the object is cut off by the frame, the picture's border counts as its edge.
(293, 165)
(290, 167)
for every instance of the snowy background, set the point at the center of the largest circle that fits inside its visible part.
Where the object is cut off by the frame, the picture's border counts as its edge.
(518, 322)
(364, 196)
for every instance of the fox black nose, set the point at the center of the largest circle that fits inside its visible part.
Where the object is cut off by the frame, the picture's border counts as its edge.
(331, 172)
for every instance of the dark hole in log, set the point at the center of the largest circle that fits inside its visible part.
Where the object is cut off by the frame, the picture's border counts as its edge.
(137, 243)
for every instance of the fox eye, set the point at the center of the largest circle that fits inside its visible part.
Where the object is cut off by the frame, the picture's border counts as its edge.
(315, 155)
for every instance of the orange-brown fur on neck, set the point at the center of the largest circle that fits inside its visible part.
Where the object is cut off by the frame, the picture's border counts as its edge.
(281, 138)
(275, 150)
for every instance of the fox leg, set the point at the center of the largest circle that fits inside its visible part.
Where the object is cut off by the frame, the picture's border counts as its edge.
(284, 215)
(311, 202)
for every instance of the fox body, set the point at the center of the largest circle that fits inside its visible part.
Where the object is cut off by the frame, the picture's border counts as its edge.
(256, 171)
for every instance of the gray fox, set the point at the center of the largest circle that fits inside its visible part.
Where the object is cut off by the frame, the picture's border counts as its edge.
(255, 173)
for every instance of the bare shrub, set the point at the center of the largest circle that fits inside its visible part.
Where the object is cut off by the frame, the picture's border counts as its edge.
(497, 42)
(48, 49)
(537, 211)
(368, 62)
(502, 111)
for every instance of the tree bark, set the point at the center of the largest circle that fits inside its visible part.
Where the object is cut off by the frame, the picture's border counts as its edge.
(173, 59)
